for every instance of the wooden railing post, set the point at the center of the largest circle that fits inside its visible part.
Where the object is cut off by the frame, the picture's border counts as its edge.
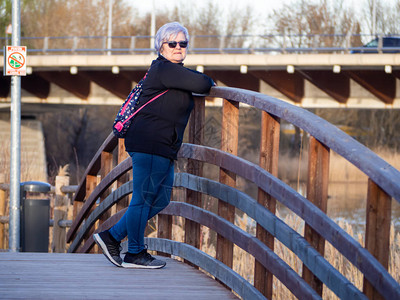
(377, 234)
(229, 144)
(91, 183)
(61, 204)
(317, 193)
(106, 167)
(269, 155)
(196, 136)
(2, 211)
(122, 155)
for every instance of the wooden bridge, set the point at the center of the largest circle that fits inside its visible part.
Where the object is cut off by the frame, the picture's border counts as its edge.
(102, 197)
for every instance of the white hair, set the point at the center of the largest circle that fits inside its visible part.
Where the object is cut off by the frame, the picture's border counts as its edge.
(167, 31)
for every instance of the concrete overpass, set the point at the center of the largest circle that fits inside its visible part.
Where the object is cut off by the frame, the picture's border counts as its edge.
(308, 80)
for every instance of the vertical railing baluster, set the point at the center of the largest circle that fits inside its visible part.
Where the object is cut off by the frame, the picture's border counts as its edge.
(122, 155)
(91, 183)
(229, 143)
(106, 167)
(132, 45)
(377, 232)
(196, 136)
(317, 193)
(269, 155)
(60, 213)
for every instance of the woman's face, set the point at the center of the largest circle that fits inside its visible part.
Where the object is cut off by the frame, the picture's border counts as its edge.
(177, 54)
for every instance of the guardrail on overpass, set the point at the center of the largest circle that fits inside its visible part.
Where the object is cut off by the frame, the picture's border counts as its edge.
(207, 44)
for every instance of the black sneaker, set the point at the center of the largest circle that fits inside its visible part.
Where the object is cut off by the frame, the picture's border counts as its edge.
(142, 260)
(111, 248)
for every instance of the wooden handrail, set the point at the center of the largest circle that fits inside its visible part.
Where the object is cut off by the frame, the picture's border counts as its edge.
(330, 276)
(381, 172)
(383, 185)
(93, 168)
(117, 172)
(313, 216)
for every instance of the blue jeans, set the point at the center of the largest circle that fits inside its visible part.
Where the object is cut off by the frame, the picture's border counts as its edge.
(153, 178)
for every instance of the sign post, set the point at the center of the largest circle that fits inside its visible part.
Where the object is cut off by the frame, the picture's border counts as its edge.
(15, 66)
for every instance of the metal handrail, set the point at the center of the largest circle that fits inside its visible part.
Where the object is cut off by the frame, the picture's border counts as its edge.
(210, 44)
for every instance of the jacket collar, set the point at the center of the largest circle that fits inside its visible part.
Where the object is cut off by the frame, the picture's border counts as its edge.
(162, 58)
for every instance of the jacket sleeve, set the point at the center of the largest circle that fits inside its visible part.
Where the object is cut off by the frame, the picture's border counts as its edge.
(176, 76)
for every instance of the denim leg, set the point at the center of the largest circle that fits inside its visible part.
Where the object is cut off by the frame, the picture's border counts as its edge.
(152, 185)
(163, 193)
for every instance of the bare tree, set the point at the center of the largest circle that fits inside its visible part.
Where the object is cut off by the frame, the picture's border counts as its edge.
(386, 15)
(303, 24)
(58, 18)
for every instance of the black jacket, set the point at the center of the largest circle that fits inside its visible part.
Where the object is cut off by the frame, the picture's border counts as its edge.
(158, 128)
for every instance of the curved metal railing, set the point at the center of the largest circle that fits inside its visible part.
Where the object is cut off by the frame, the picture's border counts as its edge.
(383, 185)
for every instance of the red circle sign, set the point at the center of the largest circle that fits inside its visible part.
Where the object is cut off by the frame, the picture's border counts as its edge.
(16, 60)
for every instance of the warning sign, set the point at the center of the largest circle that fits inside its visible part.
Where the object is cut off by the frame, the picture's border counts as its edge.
(15, 61)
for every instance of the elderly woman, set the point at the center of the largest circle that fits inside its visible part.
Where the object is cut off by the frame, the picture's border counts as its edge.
(152, 141)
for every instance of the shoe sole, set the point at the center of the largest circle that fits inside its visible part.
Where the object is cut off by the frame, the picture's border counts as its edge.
(103, 247)
(134, 266)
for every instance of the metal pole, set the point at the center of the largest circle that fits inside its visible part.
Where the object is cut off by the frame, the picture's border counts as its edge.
(14, 230)
(153, 25)
(109, 26)
(374, 17)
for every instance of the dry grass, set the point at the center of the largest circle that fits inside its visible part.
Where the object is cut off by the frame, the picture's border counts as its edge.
(27, 171)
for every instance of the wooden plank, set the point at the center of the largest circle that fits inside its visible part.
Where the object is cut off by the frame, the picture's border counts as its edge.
(313, 216)
(94, 166)
(377, 234)
(196, 136)
(61, 204)
(229, 144)
(333, 279)
(122, 155)
(164, 230)
(106, 167)
(360, 156)
(91, 276)
(269, 155)
(209, 264)
(248, 243)
(111, 177)
(317, 193)
(91, 183)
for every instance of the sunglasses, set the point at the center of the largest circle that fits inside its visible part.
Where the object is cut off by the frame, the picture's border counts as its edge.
(172, 44)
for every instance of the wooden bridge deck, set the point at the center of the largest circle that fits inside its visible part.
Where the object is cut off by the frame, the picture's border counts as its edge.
(91, 276)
